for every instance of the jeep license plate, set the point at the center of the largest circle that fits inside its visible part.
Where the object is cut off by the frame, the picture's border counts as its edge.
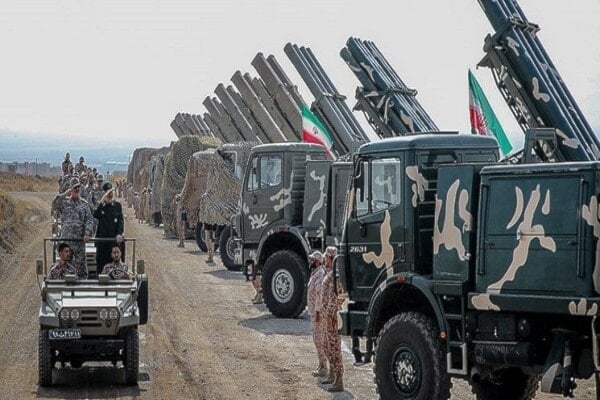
(64, 334)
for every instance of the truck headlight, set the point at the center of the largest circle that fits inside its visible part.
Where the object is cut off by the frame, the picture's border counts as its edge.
(103, 314)
(64, 314)
(113, 314)
(75, 314)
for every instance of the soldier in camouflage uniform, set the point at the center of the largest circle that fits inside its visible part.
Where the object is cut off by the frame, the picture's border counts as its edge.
(148, 206)
(77, 223)
(329, 307)
(65, 164)
(63, 266)
(315, 284)
(80, 166)
(117, 268)
(180, 219)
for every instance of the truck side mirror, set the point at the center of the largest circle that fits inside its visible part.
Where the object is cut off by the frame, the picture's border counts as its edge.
(39, 267)
(140, 267)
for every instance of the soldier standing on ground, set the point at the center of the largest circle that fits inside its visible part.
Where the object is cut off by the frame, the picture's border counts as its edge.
(329, 306)
(180, 219)
(80, 167)
(209, 239)
(149, 205)
(65, 164)
(63, 266)
(77, 223)
(110, 224)
(315, 283)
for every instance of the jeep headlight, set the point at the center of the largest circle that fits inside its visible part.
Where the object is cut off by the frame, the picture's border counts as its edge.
(103, 314)
(75, 314)
(113, 314)
(64, 314)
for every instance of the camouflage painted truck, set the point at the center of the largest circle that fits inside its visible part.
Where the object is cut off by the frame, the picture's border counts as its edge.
(456, 266)
(287, 211)
(92, 319)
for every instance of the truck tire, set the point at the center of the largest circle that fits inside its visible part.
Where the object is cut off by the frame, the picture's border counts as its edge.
(227, 246)
(132, 356)
(142, 299)
(409, 361)
(509, 383)
(200, 237)
(284, 284)
(44, 359)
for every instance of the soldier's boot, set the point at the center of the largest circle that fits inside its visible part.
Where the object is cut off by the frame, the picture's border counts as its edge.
(258, 299)
(337, 385)
(329, 378)
(320, 371)
(181, 244)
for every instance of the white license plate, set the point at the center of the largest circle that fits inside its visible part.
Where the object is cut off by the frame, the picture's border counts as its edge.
(64, 334)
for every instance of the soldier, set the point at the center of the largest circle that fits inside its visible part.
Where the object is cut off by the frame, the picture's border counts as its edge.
(116, 269)
(257, 285)
(65, 164)
(209, 239)
(110, 224)
(181, 219)
(315, 284)
(136, 206)
(77, 223)
(148, 206)
(80, 167)
(63, 266)
(142, 206)
(329, 307)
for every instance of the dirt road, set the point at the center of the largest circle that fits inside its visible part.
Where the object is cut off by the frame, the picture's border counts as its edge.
(204, 339)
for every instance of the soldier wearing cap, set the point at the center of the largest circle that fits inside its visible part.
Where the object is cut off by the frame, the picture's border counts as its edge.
(80, 166)
(77, 223)
(109, 214)
(329, 308)
(65, 164)
(315, 283)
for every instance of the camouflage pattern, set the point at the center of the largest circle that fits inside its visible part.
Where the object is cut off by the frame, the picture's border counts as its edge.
(314, 290)
(59, 271)
(333, 344)
(157, 168)
(77, 222)
(221, 199)
(137, 171)
(176, 165)
(116, 270)
(195, 183)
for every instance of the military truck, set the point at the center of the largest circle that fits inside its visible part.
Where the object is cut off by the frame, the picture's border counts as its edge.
(476, 270)
(92, 319)
(288, 211)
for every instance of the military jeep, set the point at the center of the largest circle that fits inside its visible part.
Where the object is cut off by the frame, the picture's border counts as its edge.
(91, 319)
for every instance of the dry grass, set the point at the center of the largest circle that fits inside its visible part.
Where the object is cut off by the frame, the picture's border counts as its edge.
(11, 182)
(18, 218)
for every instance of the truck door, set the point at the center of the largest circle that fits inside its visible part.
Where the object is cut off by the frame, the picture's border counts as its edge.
(375, 228)
(263, 196)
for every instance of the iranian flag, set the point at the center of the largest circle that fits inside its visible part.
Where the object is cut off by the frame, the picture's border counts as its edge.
(483, 119)
(313, 131)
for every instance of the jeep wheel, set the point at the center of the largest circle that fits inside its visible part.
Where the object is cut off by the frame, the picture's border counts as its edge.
(284, 284)
(45, 363)
(132, 356)
(142, 299)
(508, 383)
(409, 361)
(227, 246)
(200, 237)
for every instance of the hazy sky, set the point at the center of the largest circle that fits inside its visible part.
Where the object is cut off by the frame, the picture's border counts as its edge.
(121, 70)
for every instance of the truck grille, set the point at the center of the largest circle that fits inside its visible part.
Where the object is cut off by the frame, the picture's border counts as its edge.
(89, 318)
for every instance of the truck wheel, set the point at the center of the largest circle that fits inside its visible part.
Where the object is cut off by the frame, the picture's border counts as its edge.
(409, 361)
(132, 356)
(508, 383)
(227, 246)
(200, 237)
(142, 299)
(44, 359)
(284, 284)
